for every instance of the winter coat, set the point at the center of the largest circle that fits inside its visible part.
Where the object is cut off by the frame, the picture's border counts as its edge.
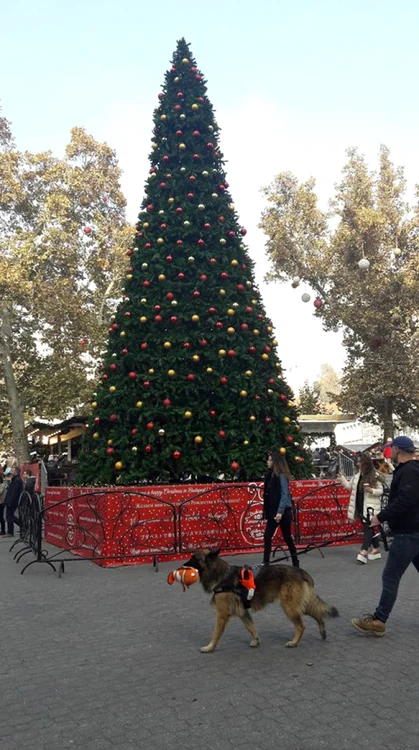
(370, 500)
(276, 495)
(13, 493)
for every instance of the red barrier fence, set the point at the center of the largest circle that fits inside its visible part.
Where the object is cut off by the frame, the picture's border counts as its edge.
(133, 524)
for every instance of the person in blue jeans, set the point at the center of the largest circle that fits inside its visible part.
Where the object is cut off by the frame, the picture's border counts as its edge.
(277, 506)
(402, 515)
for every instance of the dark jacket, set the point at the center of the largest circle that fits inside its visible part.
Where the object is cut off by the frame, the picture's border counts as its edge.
(402, 511)
(13, 493)
(276, 495)
(30, 485)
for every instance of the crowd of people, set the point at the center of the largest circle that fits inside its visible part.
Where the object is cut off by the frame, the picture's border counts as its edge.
(12, 483)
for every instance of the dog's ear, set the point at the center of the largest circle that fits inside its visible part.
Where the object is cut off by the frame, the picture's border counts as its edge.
(214, 552)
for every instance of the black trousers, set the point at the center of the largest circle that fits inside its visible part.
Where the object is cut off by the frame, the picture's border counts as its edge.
(2, 522)
(285, 526)
(368, 540)
(10, 519)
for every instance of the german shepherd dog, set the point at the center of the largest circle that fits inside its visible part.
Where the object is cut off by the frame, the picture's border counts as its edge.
(292, 587)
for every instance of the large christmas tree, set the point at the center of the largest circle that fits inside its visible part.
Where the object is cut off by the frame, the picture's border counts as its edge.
(191, 381)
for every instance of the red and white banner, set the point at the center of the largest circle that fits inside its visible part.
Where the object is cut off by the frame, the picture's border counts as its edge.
(132, 524)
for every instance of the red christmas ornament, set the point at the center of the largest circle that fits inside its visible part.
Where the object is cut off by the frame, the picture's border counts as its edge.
(176, 455)
(148, 449)
(257, 398)
(187, 345)
(201, 242)
(157, 308)
(207, 225)
(268, 349)
(130, 252)
(252, 349)
(210, 146)
(160, 95)
(260, 316)
(146, 283)
(192, 178)
(167, 402)
(231, 233)
(104, 377)
(191, 195)
(203, 277)
(198, 77)
(124, 352)
(271, 380)
(268, 420)
(83, 342)
(166, 157)
(249, 309)
(231, 353)
(244, 326)
(96, 420)
(110, 451)
(240, 287)
(179, 95)
(219, 324)
(181, 276)
(163, 226)
(221, 433)
(318, 303)
(173, 319)
(178, 107)
(223, 380)
(146, 384)
(283, 397)
(222, 219)
(158, 318)
(113, 417)
(221, 187)
(196, 157)
(170, 295)
(212, 413)
(179, 132)
(224, 275)
(201, 99)
(191, 376)
(134, 431)
(235, 466)
(290, 439)
(150, 207)
(114, 326)
(163, 185)
(196, 133)
(179, 210)
(213, 261)
(243, 231)
(152, 170)
(132, 375)
(203, 342)
(150, 425)
(179, 242)
(196, 293)
(169, 258)
(87, 230)
(212, 310)
(127, 314)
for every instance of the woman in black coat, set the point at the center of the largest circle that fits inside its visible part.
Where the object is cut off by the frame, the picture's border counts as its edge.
(277, 506)
(11, 500)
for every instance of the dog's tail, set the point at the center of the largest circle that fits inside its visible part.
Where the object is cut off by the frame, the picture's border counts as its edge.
(318, 609)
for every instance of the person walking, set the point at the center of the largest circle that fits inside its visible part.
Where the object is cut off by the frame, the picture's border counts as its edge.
(11, 499)
(402, 516)
(2, 494)
(365, 501)
(277, 506)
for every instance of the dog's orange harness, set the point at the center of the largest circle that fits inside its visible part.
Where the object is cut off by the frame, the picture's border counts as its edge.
(246, 588)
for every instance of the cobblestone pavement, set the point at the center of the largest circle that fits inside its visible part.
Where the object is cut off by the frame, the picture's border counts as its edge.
(109, 660)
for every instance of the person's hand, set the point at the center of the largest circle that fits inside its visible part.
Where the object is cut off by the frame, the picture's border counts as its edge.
(368, 490)
(278, 517)
(374, 521)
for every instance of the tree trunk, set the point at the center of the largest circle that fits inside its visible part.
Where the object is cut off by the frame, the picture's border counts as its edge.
(388, 424)
(20, 441)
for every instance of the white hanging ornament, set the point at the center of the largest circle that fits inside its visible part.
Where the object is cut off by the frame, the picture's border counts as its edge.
(295, 282)
(364, 264)
(305, 297)
(397, 251)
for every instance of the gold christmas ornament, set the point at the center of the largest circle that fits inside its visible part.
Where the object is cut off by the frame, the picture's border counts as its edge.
(171, 200)
(256, 331)
(188, 415)
(182, 146)
(185, 61)
(109, 442)
(283, 451)
(222, 292)
(173, 303)
(195, 106)
(128, 276)
(151, 371)
(198, 439)
(231, 330)
(112, 389)
(143, 319)
(210, 370)
(222, 352)
(163, 117)
(287, 420)
(195, 357)
(230, 311)
(146, 225)
(94, 404)
(195, 318)
(167, 344)
(139, 404)
(122, 334)
(160, 240)
(245, 442)
(248, 373)
(119, 465)
(243, 394)
(252, 418)
(96, 435)
(171, 373)
(265, 356)
(234, 262)
(162, 277)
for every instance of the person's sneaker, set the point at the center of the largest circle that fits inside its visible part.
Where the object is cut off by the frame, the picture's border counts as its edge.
(362, 558)
(368, 624)
(374, 555)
